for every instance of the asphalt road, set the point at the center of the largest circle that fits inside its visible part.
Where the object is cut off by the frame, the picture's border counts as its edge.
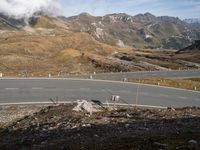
(147, 74)
(41, 90)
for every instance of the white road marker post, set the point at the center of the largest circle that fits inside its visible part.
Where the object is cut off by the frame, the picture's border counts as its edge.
(125, 80)
(195, 88)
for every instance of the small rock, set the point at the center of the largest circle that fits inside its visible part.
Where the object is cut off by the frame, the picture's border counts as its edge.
(160, 145)
(127, 125)
(51, 128)
(104, 119)
(193, 142)
(44, 143)
(73, 127)
(86, 125)
(171, 108)
(96, 135)
(143, 128)
(128, 116)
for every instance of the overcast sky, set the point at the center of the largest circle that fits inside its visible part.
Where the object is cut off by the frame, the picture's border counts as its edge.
(178, 8)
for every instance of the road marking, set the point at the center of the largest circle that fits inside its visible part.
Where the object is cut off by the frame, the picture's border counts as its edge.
(37, 88)
(163, 95)
(85, 89)
(182, 97)
(34, 103)
(11, 88)
(71, 102)
(133, 105)
(144, 93)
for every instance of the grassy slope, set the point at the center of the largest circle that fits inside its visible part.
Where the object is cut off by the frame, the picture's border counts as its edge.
(53, 47)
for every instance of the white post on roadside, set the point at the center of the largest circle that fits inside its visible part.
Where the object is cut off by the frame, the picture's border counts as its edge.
(195, 88)
(49, 75)
(125, 80)
(1, 75)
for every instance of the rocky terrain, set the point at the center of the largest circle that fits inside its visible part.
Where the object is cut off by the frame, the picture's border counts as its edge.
(58, 127)
(193, 21)
(140, 31)
(190, 53)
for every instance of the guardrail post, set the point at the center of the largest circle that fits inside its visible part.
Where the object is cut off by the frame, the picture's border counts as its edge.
(195, 88)
(125, 80)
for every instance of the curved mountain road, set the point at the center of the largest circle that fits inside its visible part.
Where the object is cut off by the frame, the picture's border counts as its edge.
(147, 74)
(41, 90)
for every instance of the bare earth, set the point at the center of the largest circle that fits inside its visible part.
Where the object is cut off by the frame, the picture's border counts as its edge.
(58, 127)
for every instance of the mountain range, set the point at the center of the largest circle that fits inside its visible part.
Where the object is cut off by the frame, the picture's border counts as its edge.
(140, 31)
(85, 43)
(193, 21)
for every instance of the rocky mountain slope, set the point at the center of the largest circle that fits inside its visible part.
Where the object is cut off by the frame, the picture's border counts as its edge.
(10, 23)
(190, 53)
(141, 31)
(193, 21)
(194, 47)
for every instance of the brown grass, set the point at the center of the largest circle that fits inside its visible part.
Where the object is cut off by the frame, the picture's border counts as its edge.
(47, 51)
(177, 83)
(189, 84)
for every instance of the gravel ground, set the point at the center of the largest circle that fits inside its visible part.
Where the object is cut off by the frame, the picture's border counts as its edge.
(58, 127)
(11, 113)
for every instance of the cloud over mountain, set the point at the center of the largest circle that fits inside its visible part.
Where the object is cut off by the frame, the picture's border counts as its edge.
(26, 8)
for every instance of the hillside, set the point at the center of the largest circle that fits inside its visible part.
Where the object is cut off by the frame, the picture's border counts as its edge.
(10, 23)
(48, 45)
(190, 53)
(44, 44)
(193, 21)
(141, 31)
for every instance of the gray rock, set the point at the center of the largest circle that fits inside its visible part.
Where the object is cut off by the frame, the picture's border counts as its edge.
(160, 145)
(193, 142)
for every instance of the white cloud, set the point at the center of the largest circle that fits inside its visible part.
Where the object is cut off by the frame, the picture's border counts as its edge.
(26, 8)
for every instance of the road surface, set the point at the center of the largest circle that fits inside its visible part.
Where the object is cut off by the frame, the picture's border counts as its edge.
(144, 74)
(41, 90)
(147, 74)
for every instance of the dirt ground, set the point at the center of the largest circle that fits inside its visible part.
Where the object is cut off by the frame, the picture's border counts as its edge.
(58, 127)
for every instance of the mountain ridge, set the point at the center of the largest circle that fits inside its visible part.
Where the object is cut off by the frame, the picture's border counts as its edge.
(120, 29)
(142, 30)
